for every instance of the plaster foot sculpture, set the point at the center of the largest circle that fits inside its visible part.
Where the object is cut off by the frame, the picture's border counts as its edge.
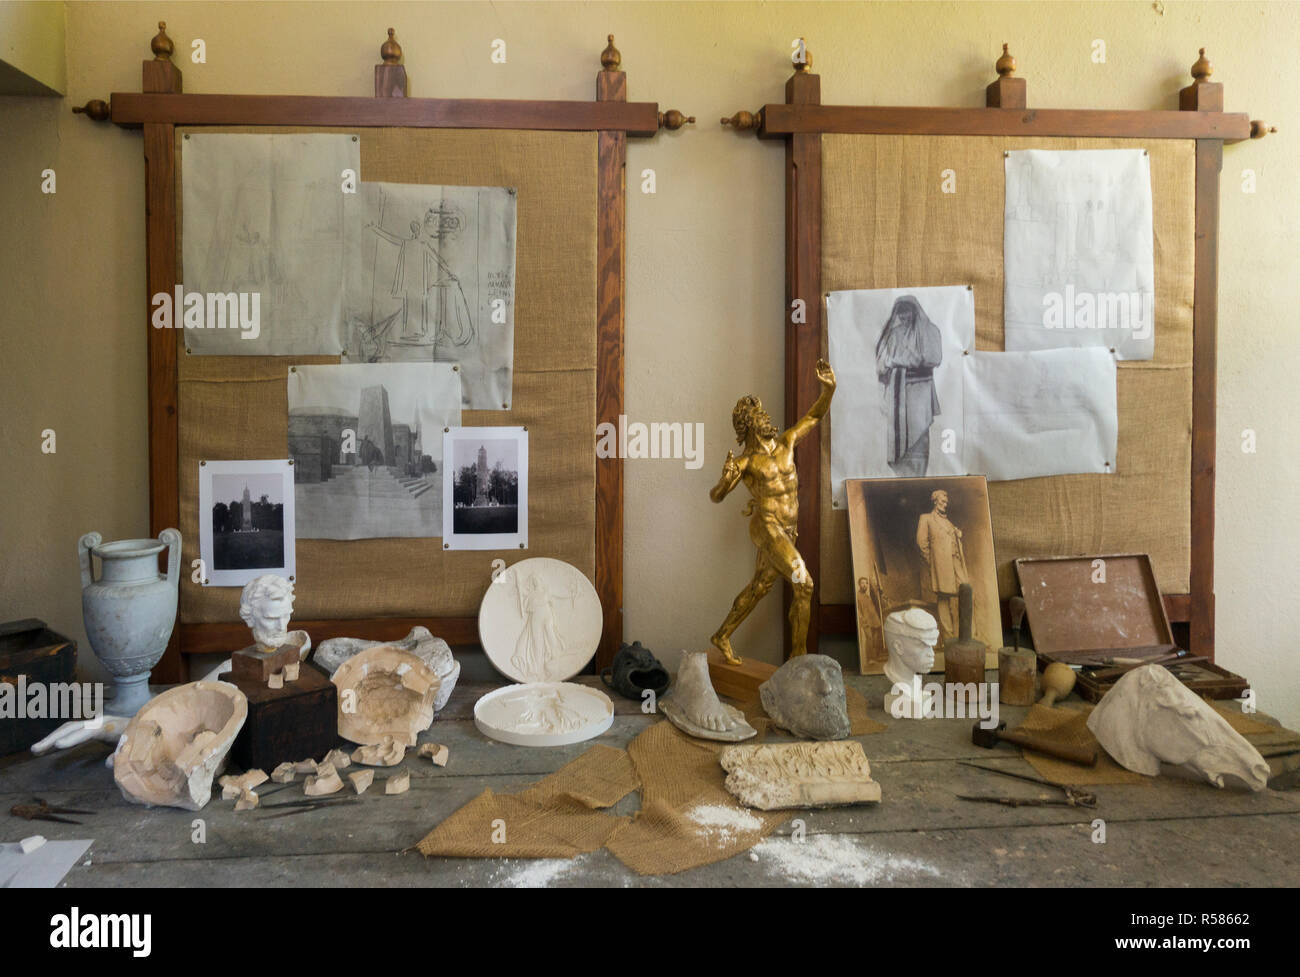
(177, 743)
(693, 707)
(774, 777)
(265, 606)
(385, 692)
(1150, 717)
(806, 696)
(910, 637)
(434, 652)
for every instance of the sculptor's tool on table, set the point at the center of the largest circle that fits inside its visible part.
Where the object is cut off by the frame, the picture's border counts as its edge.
(1073, 796)
(1058, 682)
(302, 807)
(1017, 667)
(964, 658)
(43, 811)
(989, 738)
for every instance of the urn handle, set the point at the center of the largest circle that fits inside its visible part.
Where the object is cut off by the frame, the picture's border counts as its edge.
(173, 540)
(84, 546)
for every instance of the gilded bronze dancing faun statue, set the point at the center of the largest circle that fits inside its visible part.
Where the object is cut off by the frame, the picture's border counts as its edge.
(766, 466)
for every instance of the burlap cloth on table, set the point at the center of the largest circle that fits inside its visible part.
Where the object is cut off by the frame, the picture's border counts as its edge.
(560, 816)
(1069, 726)
(860, 724)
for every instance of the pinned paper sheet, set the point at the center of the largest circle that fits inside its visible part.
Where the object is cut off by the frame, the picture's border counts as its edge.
(431, 277)
(1047, 412)
(1078, 252)
(897, 356)
(264, 225)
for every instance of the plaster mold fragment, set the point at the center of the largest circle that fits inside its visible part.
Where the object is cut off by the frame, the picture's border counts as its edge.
(398, 783)
(434, 652)
(285, 773)
(337, 759)
(325, 781)
(436, 752)
(386, 753)
(177, 743)
(361, 780)
(385, 691)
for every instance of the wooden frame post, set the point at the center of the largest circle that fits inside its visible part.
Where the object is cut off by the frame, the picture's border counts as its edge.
(803, 278)
(611, 190)
(160, 76)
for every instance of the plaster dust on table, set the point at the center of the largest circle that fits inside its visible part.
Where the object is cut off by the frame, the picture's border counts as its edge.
(721, 823)
(534, 873)
(838, 858)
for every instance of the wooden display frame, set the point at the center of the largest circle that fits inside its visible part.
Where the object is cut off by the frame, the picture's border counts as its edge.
(161, 107)
(801, 121)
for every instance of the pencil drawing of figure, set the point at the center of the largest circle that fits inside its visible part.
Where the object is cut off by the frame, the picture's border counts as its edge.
(434, 310)
(539, 645)
(907, 353)
(941, 548)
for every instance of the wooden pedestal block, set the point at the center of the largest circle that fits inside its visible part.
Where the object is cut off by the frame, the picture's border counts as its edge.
(254, 665)
(738, 682)
(288, 724)
(31, 653)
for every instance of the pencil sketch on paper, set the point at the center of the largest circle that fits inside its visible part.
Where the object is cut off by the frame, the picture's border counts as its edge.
(1078, 251)
(898, 408)
(366, 441)
(265, 216)
(431, 278)
(1034, 413)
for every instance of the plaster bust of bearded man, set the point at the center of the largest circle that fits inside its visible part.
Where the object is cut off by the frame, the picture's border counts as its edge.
(910, 637)
(266, 605)
(806, 696)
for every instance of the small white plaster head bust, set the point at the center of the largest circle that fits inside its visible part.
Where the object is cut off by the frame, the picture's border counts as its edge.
(266, 605)
(1150, 717)
(910, 637)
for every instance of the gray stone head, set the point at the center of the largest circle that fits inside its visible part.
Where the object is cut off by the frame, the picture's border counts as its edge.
(806, 696)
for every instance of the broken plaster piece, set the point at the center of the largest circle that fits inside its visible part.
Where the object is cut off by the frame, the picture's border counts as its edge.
(325, 781)
(793, 775)
(29, 845)
(247, 801)
(387, 753)
(291, 671)
(436, 752)
(361, 780)
(398, 783)
(284, 773)
(276, 681)
(337, 759)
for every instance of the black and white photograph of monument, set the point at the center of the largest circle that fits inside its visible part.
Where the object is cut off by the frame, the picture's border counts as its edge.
(485, 488)
(366, 441)
(246, 527)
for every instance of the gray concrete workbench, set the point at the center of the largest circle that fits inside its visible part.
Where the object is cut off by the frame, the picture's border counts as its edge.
(1169, 832)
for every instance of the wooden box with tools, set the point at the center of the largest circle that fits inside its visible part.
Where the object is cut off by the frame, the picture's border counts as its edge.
(1105, 614)
(30, 653)
(292, 723)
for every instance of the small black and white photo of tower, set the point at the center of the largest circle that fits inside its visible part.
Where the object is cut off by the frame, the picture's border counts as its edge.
(486, 485)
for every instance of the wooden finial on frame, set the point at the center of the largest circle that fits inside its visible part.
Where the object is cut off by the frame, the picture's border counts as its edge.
(390, 52)
(1005, 65)
(161, 45)
(610, 58)
(390, 76)
(1202, 95)
(672, 119)
(96, 109)
(1201, 68)
(1008, 92)
(744, 121)
(1258, 128)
